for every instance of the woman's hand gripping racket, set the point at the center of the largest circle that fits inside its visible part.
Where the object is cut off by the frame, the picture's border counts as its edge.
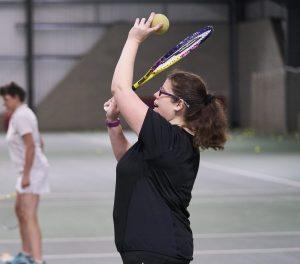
(8, 220)
(175, 54)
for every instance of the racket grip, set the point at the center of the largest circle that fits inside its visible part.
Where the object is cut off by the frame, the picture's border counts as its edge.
(135, 86)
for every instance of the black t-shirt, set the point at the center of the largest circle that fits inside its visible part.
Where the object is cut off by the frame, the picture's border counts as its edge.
(154, 181)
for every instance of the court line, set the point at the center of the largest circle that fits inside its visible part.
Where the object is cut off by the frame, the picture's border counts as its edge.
(248, 234)
(246, 199)
(196, 236)
(195, 192)
(243, 192)
(251, 174)
(246, 251)
(196, 253)
(195, 200)
(83, 256)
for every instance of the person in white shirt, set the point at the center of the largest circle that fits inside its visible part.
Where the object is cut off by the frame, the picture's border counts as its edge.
(25, 149)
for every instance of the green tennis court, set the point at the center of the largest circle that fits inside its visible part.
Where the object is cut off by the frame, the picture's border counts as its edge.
(245, 207)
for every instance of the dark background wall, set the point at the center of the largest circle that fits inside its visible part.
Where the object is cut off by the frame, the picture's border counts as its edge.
(252, 59)
(261, 77)
(77, 101)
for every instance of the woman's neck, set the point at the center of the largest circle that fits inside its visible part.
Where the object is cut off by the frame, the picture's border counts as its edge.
(181, 123)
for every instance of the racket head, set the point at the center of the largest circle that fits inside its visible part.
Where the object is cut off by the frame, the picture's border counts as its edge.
(8, 220)
(182, 49)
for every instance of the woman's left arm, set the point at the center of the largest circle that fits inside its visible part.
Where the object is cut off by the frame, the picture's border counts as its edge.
(130, 105)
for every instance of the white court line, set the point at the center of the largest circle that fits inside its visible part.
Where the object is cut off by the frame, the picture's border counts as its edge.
(248, 234)
(246, 251)
(244, 192)
(77, 195)
(83, 256)
(196, 253)
(65, 240)
(196, 236)
(195, 192)
(195, 200)
(251, 174)
(245, 199)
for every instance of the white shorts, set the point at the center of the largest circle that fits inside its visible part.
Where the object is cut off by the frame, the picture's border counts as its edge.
(39, 182)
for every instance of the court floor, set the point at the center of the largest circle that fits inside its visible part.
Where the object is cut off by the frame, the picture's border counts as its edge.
(245, 206)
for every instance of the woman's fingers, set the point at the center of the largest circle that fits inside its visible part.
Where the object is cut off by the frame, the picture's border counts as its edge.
(157, 27)
(142, 28)
(137, 21)
(143, 21)
(150, 19)
(110, 104)
(107, 105)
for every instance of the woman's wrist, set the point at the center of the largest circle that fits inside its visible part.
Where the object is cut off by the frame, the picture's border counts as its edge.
(112, 118)
(134, 40)
(112, 123)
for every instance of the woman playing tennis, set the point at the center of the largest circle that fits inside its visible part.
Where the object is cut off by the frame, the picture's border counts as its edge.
(25, 148)
(155, 176)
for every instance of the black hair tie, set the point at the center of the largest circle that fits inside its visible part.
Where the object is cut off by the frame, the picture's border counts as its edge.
(208, 99)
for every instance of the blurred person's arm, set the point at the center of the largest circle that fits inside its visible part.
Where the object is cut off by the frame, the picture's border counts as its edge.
(29, 158)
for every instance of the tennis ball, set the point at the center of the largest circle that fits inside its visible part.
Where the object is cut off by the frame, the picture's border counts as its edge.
(160, 19)
(257, 149)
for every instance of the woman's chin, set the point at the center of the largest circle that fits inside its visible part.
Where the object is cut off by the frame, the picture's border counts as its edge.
(156, 109)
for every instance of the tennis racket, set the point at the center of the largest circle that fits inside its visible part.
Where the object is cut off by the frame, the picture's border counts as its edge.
(175, 54)
(8, 220)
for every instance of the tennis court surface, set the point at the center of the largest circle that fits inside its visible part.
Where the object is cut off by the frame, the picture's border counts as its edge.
(245, 207)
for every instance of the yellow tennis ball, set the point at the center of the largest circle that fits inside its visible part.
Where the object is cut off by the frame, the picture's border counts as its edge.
(257, 149)
(160, 19)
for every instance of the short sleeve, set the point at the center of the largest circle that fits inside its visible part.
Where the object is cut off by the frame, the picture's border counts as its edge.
(157, 135)
(23, 125)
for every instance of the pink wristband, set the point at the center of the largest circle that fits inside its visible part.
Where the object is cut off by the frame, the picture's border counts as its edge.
(113, 123)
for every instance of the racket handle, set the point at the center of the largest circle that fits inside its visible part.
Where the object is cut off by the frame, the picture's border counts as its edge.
(135, 86)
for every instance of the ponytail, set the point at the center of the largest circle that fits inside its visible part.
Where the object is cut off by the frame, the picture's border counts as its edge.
(210, 125)
(206, 115)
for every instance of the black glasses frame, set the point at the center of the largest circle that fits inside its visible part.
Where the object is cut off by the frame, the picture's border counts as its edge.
(175, 97)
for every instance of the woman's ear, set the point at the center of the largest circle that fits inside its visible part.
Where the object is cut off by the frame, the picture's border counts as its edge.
(179, 106)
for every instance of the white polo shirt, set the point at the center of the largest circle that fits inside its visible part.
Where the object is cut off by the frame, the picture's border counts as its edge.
(24, 121)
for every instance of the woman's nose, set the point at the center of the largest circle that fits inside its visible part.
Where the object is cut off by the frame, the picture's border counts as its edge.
(156, 95)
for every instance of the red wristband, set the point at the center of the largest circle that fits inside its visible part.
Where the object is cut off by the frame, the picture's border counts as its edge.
(113, 123)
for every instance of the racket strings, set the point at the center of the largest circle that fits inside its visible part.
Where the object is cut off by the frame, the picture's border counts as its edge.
(187, 42)
(181, 50)
(183, 45)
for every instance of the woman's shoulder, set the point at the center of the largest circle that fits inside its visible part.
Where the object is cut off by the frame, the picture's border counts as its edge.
(184, 140)
(181, 132)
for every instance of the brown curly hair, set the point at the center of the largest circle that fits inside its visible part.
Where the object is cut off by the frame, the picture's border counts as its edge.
(206, 115)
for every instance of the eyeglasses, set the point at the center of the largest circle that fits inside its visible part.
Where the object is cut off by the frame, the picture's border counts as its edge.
(176, 98)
